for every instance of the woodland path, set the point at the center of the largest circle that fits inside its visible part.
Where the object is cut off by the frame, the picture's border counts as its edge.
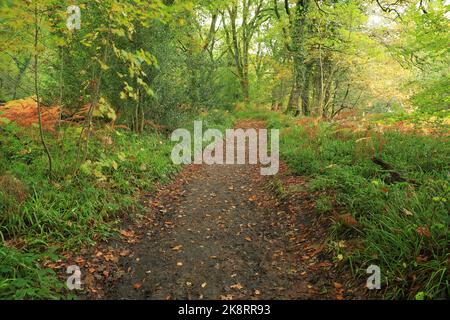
(218, 232)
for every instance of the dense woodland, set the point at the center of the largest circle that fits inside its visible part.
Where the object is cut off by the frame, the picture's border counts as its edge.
(360, 90)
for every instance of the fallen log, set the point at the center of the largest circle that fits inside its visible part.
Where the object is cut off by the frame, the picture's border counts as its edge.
(394, 177)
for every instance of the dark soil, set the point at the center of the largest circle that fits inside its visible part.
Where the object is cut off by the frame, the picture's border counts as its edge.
(220, 232)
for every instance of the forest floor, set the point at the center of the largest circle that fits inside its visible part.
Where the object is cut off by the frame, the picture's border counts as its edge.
(219, 232)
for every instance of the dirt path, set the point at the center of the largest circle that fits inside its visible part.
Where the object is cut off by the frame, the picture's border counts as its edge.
(217, 232)
(212, 241)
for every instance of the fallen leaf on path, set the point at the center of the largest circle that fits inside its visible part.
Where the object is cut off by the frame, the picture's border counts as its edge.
(127, 234)
(324, 264)
(125, 253)
(110, 257)
(337, 285)
(137, 285)
(237, 286)
(177, 248)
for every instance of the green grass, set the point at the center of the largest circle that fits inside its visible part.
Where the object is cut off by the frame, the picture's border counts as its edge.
(76, 208)
(390, 216)
(21, 276)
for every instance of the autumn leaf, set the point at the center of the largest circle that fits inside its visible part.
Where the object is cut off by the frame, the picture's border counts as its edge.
(324, 264)
(125, 253)
(80, 261)
(127, 234)
(137, 286)
(237, 286)
(337, 285)
(110, 257)
(177, 248)
(421, 259)
(424, 231)
(348, 220)
(408, 213)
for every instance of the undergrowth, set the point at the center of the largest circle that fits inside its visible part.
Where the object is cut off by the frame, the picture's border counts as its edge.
(401, 226)
(80, 205)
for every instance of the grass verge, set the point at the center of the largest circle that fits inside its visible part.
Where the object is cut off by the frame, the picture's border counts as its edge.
(41, 218)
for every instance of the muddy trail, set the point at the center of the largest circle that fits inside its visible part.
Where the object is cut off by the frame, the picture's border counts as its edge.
(220, 232)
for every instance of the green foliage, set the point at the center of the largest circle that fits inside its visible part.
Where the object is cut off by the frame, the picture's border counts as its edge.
(73, 210)
(394, 219)
(424, 46)
(22, 278)
(152, 66)
(76, 211)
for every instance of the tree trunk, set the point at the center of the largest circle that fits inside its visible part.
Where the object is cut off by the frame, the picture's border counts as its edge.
(299, 30)
(294, 99)
(306, 94)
